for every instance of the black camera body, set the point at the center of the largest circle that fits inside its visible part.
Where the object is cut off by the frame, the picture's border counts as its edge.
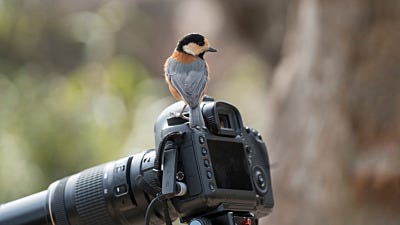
(218, 174)
(225, 167)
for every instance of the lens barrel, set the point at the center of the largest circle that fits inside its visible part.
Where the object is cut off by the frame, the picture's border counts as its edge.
(30, 210)
(102, 195)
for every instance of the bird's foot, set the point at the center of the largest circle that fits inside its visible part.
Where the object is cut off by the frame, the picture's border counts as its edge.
(179, 115)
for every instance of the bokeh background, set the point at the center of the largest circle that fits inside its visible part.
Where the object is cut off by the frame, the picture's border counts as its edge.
(81, 84)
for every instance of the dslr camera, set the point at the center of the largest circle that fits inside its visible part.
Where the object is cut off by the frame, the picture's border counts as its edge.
(218, 174)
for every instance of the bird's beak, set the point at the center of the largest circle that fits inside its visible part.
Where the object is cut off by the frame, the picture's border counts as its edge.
(210, 49)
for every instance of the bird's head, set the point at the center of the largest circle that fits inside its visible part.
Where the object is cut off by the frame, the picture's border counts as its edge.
(194, 44)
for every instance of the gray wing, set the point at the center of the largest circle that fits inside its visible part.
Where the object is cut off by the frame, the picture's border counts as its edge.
(189, 79)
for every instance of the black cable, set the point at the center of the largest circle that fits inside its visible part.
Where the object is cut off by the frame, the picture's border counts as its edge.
(166, 213)
(167, 217)
(150, 206)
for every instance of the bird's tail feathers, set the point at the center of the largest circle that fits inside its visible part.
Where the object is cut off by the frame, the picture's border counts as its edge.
(196, 117)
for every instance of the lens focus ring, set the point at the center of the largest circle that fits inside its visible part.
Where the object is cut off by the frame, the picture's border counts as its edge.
(89, 198)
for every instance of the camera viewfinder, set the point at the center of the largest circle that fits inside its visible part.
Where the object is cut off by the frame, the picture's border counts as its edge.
(222, 119)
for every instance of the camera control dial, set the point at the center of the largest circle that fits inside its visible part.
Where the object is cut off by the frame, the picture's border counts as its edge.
(260, 180)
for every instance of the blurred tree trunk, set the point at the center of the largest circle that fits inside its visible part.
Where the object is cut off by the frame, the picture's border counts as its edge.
(334, 115)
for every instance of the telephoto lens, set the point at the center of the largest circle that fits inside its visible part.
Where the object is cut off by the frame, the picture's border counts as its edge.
(102, 195)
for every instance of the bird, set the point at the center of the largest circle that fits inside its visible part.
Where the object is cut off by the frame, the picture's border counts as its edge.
(186, 73)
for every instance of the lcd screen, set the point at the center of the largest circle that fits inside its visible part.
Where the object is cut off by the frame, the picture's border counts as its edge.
(230, 166)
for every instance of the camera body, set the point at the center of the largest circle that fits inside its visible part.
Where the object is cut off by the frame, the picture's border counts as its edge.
(225, 167)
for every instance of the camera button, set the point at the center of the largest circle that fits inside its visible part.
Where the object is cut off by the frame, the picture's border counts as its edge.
(209, 174)
(120, 190)
(203, 151)
(248, 130)
(248, 149)
(202, 139)
(206, 163)
(211, 186)
(261, 181)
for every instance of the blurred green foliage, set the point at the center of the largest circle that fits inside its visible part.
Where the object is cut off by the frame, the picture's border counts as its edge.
(53, 126)
(67, 98)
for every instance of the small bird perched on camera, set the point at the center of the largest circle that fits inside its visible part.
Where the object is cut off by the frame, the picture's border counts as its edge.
(186, 73)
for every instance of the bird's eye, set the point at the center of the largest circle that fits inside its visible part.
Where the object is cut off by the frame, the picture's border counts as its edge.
(201, 43)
